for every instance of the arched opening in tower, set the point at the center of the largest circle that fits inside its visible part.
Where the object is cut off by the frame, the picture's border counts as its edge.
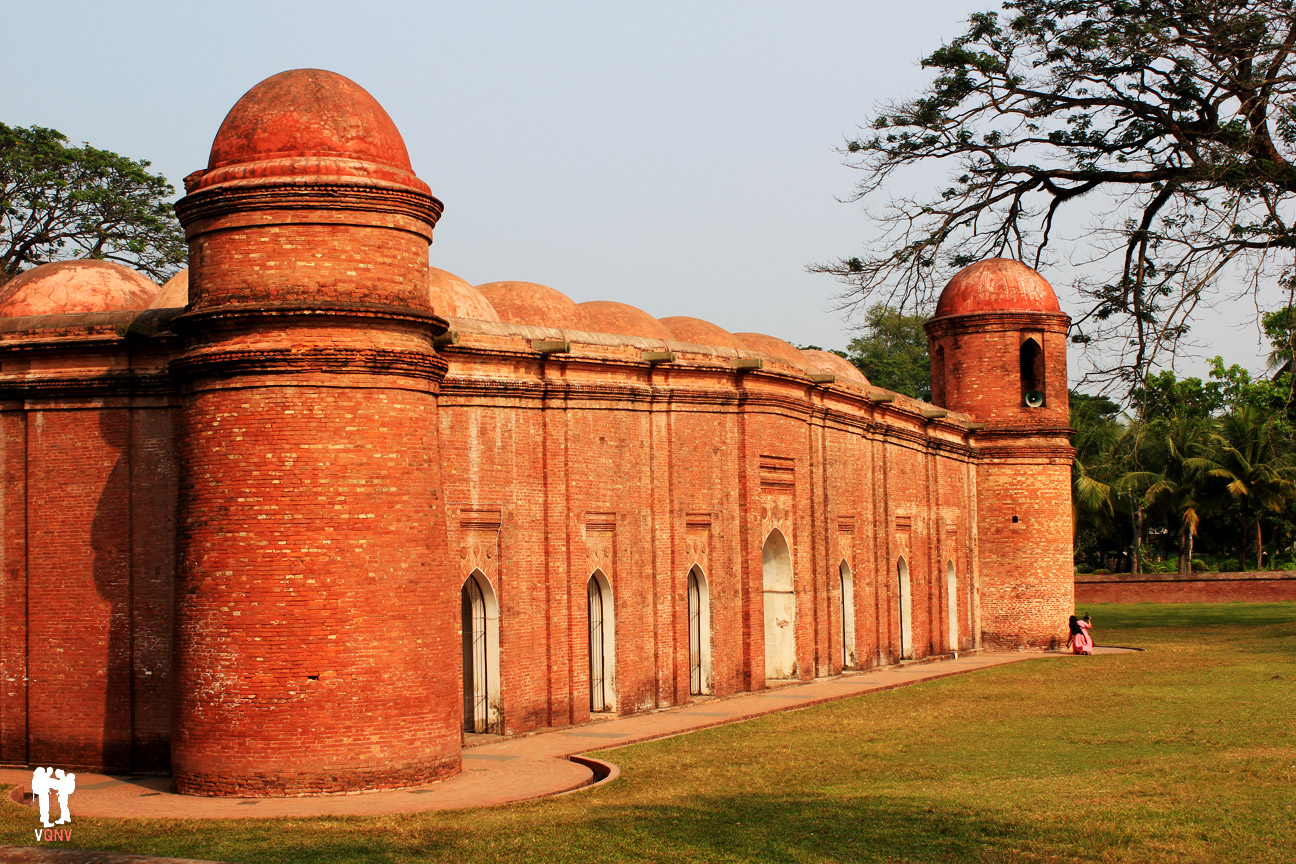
(1032, 373)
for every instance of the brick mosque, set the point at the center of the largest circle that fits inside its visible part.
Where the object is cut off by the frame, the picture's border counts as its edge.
(298, 520)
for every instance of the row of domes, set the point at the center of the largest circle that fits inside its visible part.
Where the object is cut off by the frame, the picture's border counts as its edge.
(70, 287)
(77, 287)
(74, 287)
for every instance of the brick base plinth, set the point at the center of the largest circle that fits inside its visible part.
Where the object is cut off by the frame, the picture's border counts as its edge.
(287, 785)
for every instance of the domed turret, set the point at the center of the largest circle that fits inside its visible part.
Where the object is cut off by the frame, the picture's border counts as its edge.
(309, 318)
(998, 346)
(322, 167)
(307, 123)
(998, 352)
(996, 285)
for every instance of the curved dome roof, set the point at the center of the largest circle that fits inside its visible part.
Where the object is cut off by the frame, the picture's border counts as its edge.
(996, 285)
(307, 122)
(701, 332)
(826, 361)
(608, 316)
(174, 293)
(532, 303)
(453, 297)
(68, 287)
(773, 346)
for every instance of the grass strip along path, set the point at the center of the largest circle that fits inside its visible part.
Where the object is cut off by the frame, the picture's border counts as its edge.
(1184, 752)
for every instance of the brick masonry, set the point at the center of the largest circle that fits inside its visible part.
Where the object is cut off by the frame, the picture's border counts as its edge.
(234, 536)
(1248, 587)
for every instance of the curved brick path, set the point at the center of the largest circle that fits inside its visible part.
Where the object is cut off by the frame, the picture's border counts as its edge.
(514, 769)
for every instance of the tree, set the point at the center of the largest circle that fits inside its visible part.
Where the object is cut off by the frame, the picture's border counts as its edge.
(58, 201)
(1094, 470)
(892, 352)
(1255, 465)
(1178, 492)
(1174, 121)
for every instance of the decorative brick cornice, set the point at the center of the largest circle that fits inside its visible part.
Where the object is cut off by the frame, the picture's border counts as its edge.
(226, 362)
(194, 323)
(983, 321)
(1037, 452)
(129, 383)
(198, 210)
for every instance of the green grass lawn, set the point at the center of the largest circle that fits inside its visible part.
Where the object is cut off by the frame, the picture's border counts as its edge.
(1185, 752)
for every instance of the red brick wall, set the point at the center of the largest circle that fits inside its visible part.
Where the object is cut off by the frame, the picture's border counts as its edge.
(982, 369)
(88, 547)
(1024, 545)
(290, 262)
(551, 469)
(653, 470)
(1248, 587)
(308, 578)
(1023, 478)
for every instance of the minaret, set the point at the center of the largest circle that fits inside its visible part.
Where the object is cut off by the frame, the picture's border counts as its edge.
(316, 647)
(998, 352)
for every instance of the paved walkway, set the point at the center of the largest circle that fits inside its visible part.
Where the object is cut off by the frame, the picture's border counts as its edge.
(504, 770)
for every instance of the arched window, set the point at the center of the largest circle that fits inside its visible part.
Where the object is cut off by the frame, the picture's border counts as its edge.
(481, 667)
(906, 610)
(699, 632)
(951, 588)
(780, 608)
(602, 644)
(1032, 373)
(848, 615)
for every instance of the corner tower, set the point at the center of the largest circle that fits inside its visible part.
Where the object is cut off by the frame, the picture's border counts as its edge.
(998, 352)
(314, 641)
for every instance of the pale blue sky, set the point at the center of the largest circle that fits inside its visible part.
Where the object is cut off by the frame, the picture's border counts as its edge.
(676, 156)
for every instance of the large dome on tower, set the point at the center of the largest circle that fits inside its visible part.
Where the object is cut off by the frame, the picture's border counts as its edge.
(307, 123)
(996, 285)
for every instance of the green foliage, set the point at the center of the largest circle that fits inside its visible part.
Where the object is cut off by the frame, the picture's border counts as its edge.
(1176, 121)
(58, 201)
(892, 352)
(1218, 454)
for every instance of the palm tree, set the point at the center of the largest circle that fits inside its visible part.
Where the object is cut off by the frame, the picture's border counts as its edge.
(1093, 470)
(1178, 493)
(1257, 471)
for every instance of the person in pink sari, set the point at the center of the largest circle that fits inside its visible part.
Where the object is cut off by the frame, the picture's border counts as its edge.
(1080, 641)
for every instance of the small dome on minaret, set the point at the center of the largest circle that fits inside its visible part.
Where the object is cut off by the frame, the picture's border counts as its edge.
(307, 123)
(996, 285)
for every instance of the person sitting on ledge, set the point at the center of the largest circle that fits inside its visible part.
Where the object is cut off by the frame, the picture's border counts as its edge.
(1080, 641)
